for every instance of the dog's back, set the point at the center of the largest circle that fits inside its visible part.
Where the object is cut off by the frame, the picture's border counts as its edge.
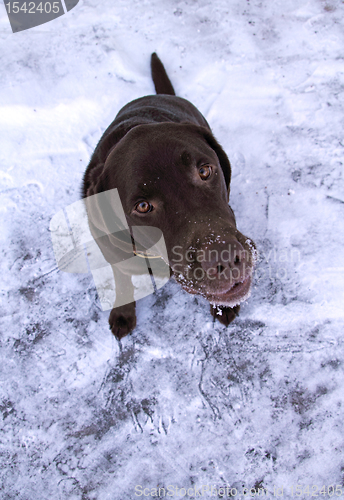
(163, 107)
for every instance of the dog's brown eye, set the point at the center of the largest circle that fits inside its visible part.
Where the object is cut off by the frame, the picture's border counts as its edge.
(205, 172)
(144, 207)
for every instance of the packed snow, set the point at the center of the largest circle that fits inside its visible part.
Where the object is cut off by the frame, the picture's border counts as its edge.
(182, 404)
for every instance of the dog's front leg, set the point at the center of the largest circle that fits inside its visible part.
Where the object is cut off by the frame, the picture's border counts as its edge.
(224, 314)
(122, 318)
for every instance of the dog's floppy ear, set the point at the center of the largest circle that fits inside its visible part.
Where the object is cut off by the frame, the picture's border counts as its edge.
(95, 183)
(105, 212)
(223, 159)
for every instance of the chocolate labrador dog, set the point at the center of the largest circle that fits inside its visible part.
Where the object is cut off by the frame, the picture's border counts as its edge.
(171, 174)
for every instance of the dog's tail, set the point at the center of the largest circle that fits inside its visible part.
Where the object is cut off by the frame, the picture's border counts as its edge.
(161, 80)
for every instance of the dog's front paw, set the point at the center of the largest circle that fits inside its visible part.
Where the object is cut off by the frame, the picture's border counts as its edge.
(224, 314)
(122, 320)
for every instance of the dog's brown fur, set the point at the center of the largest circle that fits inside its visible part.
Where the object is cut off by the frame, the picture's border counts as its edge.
(159, 150)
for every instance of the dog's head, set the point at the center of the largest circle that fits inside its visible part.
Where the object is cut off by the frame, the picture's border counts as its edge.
(176, 177)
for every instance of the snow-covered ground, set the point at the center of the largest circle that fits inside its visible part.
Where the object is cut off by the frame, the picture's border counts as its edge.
(184, 402)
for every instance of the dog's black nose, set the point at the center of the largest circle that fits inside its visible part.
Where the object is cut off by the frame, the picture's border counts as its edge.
(224, 261)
